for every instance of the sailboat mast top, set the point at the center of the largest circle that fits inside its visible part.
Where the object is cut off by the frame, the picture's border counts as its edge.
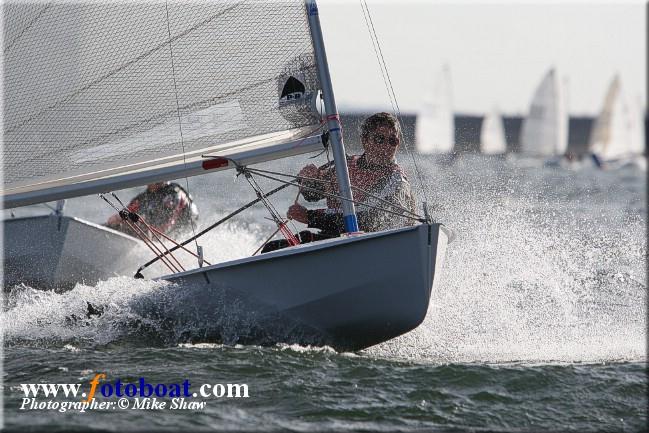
(333, 120)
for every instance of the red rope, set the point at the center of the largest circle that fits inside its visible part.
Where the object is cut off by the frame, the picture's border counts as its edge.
(290, 237)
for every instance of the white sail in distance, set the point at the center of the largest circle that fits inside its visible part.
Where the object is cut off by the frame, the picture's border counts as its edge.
(545, 129)
(619, 128)
(638, 128)
(492, 134)
(435, 125)
(108, 95)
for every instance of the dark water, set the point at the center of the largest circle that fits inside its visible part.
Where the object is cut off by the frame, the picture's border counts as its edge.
(538, 322)
(319, 389)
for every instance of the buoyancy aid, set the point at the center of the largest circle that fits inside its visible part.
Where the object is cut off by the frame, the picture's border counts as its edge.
(364, 176)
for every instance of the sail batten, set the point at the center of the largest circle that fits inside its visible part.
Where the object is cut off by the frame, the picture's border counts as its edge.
(92, 88)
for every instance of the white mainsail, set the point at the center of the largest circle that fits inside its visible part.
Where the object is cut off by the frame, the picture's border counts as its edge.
(545, 129)
(619, 130)
(492, 134)
(435, 126)
(102, 96)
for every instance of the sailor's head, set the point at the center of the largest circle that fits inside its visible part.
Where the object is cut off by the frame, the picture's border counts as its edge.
(380, 137)
(153, 187)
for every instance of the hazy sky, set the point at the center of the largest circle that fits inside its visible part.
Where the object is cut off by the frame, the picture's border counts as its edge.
(497, 52)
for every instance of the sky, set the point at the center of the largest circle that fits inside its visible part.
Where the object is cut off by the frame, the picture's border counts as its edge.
(497, 52)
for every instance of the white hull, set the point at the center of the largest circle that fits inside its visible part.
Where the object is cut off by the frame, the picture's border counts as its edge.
(348, 293)
(57, 252)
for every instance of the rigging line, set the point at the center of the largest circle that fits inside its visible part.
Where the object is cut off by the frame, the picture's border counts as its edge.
(326, 194)
(158, 118)
(157, 250)
(219, 222)
(280, 220)
(180, 123)
(222, 220)
(155, 235)
(382, 63)
(31, 23)
(266, 241)
(389, 203)
(281, 223)
(385, 82)
(135, 229)
(154, 229)
(122, 67)
(154, 232)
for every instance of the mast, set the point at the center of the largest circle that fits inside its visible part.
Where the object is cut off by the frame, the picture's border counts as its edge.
(333, 119)
(59, 207)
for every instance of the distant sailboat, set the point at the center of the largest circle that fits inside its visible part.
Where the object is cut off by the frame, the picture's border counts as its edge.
(618, 133)
(638, 136)
(492, 134)
(435, 126)
(545, 129)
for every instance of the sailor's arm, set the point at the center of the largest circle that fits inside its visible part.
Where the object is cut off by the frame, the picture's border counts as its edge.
(312, 181)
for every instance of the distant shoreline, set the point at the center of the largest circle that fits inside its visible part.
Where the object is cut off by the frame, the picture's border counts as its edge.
(467, 131)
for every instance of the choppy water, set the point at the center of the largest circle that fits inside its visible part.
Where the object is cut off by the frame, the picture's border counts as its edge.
(538, 323)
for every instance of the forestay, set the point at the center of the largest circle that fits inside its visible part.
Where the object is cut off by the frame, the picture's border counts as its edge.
(101, 96)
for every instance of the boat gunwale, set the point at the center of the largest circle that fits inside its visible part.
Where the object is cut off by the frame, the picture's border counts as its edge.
(308, 247)
(80, 221)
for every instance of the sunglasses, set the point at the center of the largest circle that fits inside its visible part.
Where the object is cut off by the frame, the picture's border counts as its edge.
(380, 138)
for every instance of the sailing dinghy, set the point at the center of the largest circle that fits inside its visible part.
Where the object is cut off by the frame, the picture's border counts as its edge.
(103, 96)
(618, 134)
(492, 134)
(56, 252)
(544, 133)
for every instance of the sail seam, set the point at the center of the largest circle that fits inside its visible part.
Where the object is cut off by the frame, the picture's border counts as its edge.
(121, 68)
(161, 117)
(390, 89)
(27, 27)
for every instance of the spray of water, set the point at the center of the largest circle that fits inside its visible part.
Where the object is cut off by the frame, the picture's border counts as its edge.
(548, 265)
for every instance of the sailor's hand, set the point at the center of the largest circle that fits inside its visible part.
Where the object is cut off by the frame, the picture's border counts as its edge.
(297, 212)
(310, 171)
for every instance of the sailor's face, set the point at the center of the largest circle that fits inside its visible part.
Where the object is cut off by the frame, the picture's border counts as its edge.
(382, 144)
